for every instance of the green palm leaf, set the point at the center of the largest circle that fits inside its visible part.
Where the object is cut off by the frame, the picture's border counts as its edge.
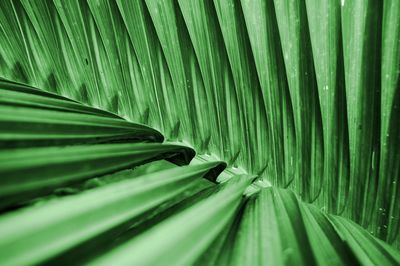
(292, 106)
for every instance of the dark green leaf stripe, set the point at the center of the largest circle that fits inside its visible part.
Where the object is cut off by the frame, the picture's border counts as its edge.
(20, 94)
(37, 170)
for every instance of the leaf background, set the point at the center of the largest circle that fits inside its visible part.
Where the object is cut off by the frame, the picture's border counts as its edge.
(303, 93)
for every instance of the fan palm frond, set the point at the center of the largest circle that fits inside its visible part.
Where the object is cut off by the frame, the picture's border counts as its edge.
(200, 132)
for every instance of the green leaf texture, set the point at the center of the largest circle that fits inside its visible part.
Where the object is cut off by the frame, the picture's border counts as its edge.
(292, 107)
